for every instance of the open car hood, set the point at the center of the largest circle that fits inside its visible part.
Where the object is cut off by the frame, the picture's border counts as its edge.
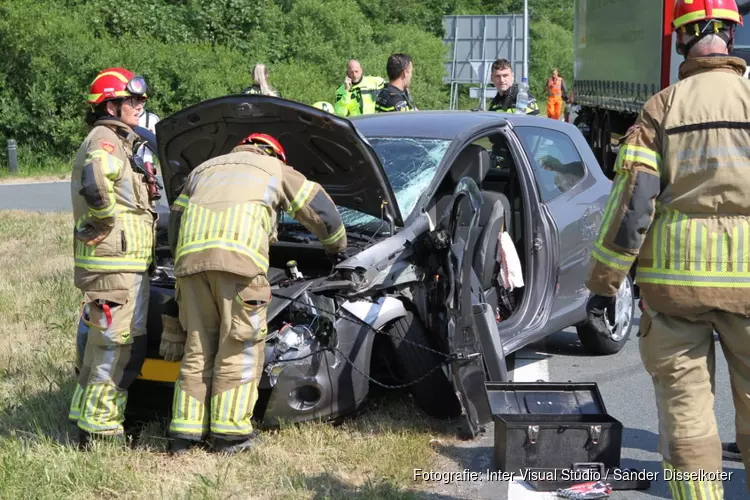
(325, 148)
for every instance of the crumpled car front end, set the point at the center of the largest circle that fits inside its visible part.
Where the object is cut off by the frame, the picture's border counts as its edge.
(318, 347)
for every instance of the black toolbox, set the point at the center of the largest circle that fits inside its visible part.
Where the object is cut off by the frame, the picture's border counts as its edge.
(553, 435)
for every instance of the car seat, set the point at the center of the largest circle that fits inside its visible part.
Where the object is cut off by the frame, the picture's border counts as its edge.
(494, 217)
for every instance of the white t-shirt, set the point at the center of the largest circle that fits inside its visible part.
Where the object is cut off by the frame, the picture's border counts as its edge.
(148, 121)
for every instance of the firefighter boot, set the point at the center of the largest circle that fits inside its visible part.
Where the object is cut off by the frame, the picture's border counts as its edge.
(232, 446)
(179, 446)
(86, 440)
(730, 451)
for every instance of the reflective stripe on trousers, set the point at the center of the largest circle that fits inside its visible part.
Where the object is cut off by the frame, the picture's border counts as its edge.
(108, 367)
(230, 413)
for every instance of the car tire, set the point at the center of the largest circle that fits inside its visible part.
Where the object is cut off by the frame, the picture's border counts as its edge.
(435, 394)
(597, 342)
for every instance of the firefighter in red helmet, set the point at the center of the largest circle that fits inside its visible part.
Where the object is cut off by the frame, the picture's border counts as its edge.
(680, 204)
(114, 225)
(221, 286)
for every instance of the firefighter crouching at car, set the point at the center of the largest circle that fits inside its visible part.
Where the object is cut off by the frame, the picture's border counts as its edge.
(220, 228)
(113, 248)
(680, 203)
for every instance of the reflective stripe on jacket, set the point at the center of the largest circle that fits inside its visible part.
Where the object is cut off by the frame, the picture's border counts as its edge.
(681, 200)
(225, 218)
(554, 87)
(107, 195)
(360, 98)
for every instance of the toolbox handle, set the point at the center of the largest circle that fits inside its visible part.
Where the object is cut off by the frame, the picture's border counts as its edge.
(594, 466)
(532, 432)
(595, 432)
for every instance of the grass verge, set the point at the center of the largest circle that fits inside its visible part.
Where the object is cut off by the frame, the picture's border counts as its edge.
(371, 456)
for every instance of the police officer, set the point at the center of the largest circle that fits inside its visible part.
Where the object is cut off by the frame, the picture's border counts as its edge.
(220, 228)
(507, 91)
(260, 82)
(396, 97)
(680, 203)
(114, 224)
(356, 96)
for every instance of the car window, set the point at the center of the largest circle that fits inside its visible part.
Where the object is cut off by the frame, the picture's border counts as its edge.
(554, 158)
(410, 165)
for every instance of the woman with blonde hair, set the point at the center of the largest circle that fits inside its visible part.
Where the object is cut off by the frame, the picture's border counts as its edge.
(260, 82)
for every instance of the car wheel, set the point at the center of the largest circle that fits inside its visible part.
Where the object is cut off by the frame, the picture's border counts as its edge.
(610, 342)
(434, 394)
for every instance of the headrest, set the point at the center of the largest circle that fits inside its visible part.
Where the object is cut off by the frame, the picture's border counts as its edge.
(473, 162)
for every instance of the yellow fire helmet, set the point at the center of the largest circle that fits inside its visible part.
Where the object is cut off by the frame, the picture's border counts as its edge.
(325, 106)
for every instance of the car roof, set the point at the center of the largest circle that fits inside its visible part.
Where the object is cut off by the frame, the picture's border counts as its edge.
(443, 124)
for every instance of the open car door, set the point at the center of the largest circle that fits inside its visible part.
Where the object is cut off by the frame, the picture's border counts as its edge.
(470, 322)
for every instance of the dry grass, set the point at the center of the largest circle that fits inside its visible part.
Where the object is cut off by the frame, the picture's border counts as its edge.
(371, 456)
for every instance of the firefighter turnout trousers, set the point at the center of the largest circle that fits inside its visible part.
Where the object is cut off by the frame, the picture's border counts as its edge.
(113, 327)
(679, 355)
(224, 315)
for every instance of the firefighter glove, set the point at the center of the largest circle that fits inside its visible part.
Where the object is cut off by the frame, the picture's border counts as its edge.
(337, 258)
(600, 306)
(173, 336)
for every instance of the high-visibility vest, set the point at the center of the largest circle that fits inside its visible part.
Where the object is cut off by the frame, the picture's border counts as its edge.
(555, 87)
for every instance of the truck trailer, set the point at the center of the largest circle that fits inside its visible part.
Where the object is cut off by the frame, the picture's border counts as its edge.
(624, 54)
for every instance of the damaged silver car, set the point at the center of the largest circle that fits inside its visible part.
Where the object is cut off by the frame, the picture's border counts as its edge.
(470, 236)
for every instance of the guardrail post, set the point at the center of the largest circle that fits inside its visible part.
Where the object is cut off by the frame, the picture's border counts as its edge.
(12, 156)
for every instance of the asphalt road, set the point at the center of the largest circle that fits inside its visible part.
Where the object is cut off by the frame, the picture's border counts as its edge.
(626, 389)
(628, 394)
(42, 196)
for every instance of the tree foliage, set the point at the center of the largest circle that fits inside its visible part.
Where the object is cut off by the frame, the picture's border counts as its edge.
(191, 50)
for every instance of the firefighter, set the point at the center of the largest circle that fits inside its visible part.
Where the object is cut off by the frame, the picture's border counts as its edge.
(222, 291)
(396, 96)
(680, 203)
(356, 96)
(507, 91)
(114, 226)
(557, 92)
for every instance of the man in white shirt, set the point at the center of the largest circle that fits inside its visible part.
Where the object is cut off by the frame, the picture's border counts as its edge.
(148, 121)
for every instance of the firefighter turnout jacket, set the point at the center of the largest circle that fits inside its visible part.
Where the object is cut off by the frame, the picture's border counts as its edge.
(506, 103)
(680, 201)
(108, 196)
(225, 218)
(393, 98)
(360, 98)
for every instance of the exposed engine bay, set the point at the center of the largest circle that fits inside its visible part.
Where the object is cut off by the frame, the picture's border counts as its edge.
(312, 340)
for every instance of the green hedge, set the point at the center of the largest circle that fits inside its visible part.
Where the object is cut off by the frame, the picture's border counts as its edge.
(191, 50)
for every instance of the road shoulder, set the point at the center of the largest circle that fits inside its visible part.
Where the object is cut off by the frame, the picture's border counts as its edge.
(35, 179)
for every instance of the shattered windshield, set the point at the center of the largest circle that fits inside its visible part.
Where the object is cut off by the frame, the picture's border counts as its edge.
(410, 165)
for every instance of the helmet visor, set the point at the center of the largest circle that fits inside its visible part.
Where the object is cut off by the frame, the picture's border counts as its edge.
(138, 86)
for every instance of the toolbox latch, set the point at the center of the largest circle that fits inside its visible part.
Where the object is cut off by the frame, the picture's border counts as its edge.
(596, 433)
(533, 433)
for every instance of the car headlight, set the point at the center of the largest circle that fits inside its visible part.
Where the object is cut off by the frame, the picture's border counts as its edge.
(292, 337)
